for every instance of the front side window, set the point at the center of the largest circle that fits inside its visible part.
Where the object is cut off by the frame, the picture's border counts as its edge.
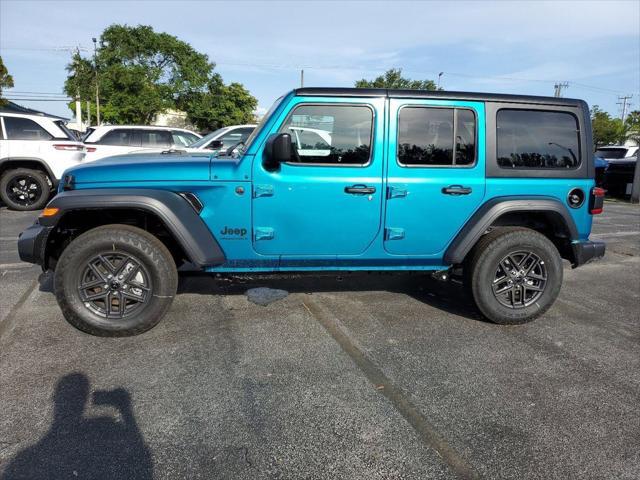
(534, 139)
(24, 129)
(155, 138)
(426, 136)
(331, 134)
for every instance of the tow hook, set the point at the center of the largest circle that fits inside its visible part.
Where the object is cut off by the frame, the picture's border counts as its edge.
(442, 275)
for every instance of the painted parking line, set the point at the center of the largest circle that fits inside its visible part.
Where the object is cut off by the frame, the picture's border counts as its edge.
(383, 385)
(7, 323)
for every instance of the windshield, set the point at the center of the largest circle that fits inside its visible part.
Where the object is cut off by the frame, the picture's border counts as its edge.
(257, 130)
(207, 138)
(611, 152)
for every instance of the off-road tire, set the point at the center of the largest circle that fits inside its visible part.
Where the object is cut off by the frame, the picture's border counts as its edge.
(38, 178)
(483, 263)
(113, 240)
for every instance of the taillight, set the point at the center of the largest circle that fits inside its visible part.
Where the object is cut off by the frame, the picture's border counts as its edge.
(596, 203)
(68, 148)
(90, 149)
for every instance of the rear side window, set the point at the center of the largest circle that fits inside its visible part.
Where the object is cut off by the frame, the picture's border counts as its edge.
(429, 136)
(536, 139)
(156, 138)
(118, 136)
(331, 134)
(24, 129)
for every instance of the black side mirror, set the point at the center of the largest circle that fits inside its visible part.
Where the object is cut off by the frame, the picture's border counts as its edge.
(214, 145)
(278, 149)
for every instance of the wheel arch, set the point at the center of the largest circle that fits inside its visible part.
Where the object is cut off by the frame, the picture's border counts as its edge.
(178, 225)
(546, 215)
(8, 163)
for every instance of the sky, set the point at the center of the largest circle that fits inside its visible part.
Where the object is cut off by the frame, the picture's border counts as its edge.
(522, 47)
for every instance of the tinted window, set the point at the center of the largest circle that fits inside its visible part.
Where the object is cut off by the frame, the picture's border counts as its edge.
(118, 136)
(537, 139)
(425, 136)
(24, 129)
(155, 138)
(611, 152)
(331, 134)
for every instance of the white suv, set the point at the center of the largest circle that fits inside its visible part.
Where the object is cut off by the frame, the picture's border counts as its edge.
(107, 141)
(34, 151)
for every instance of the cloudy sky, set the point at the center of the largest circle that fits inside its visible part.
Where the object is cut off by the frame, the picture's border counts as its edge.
(500, 46)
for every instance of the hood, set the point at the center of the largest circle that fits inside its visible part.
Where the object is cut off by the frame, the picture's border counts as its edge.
(144, 167)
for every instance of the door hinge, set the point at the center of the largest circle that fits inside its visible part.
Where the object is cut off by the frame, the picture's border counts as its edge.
(394, 233)
(396, 192)
(263, 233)
(262, 191)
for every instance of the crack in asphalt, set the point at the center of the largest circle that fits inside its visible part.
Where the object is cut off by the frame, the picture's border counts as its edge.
(384, 386)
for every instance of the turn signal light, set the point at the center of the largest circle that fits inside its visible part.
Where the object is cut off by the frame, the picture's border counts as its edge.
(50, 211)
(597, 200)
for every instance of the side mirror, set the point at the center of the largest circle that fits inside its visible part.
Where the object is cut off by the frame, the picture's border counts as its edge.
(214, 145)
(278, 149)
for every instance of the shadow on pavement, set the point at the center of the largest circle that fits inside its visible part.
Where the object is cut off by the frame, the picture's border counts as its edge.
(78, 446)
(447, 296)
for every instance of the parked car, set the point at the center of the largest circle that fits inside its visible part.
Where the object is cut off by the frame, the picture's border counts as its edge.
(601, 167)
(621, 162)
(34, 151)
(496, 188)
(107, 141)
(222, 138)
(617, 152)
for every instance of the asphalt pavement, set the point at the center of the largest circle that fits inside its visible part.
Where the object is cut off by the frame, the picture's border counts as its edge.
(367, 376)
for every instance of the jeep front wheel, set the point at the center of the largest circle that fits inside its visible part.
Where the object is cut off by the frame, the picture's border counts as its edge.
(115, 280)
(24, 189)
(515, 275)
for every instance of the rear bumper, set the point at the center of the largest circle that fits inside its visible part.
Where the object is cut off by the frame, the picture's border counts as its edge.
(585, 252)
(32, 243)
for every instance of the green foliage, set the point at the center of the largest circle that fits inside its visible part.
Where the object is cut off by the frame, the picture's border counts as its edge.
(393, 79)
(142, 73)
(606, 130)
(6, 80)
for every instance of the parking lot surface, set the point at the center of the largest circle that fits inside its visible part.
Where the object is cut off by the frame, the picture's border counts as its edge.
(354, 376)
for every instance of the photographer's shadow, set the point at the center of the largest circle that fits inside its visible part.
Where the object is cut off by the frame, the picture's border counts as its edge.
(78, 446)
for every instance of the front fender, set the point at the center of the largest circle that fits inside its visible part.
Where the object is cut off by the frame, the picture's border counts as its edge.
(176, 213)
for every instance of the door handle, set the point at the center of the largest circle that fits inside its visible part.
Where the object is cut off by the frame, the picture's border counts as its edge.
(456, 190)
(360, 190)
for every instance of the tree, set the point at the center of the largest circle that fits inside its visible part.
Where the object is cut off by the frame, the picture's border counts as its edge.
(6, 80)
(142, 73)
(219, 105)
(606, 130)
(632, 124)
(393, 79)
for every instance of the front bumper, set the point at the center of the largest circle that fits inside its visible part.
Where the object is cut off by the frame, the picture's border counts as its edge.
(585, 252)
(32, 243)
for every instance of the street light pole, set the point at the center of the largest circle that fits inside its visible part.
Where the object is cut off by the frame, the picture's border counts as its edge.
(439, 76)
(95, 62)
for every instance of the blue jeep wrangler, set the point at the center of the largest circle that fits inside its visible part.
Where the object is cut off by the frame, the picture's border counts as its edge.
(500, 187)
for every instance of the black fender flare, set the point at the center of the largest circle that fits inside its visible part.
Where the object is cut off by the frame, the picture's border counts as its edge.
(178, 215)
(493, 209)
(39, 161)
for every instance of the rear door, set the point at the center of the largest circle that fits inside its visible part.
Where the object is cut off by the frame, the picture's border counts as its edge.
(436, 173)
(328, 201)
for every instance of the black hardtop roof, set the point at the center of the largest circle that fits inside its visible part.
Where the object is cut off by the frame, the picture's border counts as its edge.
(439, 94)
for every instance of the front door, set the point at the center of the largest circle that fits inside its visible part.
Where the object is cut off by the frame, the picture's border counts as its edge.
(436, 173)
(328, 201)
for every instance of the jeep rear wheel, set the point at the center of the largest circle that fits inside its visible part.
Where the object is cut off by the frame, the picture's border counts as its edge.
(24, 189)
(115, 280)
(515, 275)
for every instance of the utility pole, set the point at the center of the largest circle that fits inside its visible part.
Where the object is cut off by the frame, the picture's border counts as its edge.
(78, 110)
(88, 114)
(623, 103)
(559, 86)
(95, 61)
(301, 78)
